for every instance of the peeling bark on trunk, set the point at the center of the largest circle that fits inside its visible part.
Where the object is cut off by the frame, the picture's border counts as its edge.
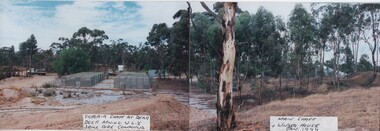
(225, 112)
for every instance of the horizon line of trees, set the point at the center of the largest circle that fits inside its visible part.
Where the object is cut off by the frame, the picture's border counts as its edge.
(88, 50)
(266, 45)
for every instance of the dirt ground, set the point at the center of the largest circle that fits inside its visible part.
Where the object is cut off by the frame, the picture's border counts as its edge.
(167, 104)
(355, 108)
(165, 111)
(19, 82)
(173, 105)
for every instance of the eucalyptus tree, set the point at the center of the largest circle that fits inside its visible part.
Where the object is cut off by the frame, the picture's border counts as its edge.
(71, 60)
(8, 56)
(206, 47)
(64, 43)
(355, 36)
(302, 36)
(341, 19)
(283, 39)
(178, 46)
(158, 38)
(225, 112)
(323, 29)
(200, 22)
(86, 39)
(370, 17)
(120, 47)
(29, 48)
(244, 38)
(106, 56)
(44, 59)
(90, 40)
(266, 45)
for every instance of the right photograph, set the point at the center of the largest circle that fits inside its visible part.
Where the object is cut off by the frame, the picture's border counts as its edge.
(284, 66)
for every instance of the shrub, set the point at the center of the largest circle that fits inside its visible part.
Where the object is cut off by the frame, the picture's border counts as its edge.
(47, 85)
(49, 92)
(32, 94)
(267, 93)
(71, 61)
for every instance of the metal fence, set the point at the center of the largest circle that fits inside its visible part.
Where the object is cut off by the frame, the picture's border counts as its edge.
(133, 80)
(83, 79)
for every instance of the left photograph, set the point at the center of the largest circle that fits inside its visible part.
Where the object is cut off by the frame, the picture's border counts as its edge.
(94, 65)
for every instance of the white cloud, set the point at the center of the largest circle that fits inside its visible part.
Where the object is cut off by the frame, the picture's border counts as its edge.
(18, 23)
(159, 12)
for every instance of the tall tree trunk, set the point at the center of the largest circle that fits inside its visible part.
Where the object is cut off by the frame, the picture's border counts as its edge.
(322, 62)
(374, 45)
(30, 60)
(336, 63)
(159, 48)
(225, 112)
(123, 58)
(357, 55)
(308, 74)
(189, 78)
(298, 70)
(300, 64)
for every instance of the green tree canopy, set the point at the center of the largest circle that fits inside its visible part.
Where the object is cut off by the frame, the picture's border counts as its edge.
(29, 48)
(178, 46)
(72, 60)
(158, 38)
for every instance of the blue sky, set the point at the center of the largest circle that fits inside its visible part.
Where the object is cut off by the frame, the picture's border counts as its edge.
(49, 20)
(131, 21)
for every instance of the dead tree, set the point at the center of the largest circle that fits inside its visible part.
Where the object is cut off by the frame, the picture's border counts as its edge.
(224, 105)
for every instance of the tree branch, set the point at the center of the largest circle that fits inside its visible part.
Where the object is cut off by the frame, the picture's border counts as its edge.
(190, 11)
(217, 18)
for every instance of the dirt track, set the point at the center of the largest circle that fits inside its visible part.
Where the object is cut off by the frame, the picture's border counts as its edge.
(19, 82)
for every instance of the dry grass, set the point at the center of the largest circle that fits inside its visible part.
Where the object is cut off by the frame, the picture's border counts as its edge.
(38, 100)
(361, 78)
(5, 101)
(354, 108)
(166, 114)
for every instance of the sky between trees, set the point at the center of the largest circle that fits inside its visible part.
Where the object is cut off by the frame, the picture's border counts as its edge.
(131, 21)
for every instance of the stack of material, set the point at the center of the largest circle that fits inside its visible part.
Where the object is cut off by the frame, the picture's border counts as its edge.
(133, 80)
(83, 79)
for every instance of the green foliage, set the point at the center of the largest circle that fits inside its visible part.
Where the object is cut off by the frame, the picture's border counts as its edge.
(86, 39)
(348, 66)
(8, 56)
(158, 37)
(28, 48)
(302, 32)
(364, 64)
(71, 61)
(266, 43)
(178, 46)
